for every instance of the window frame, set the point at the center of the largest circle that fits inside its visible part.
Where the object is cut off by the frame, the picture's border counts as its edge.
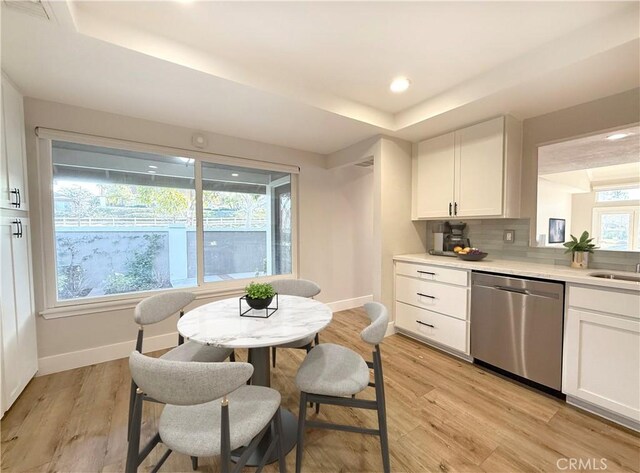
(54, 308)
(634, 221)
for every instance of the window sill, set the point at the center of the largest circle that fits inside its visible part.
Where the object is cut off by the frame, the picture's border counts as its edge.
(236, 288)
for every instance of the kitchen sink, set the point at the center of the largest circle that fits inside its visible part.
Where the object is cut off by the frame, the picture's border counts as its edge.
(622, 277)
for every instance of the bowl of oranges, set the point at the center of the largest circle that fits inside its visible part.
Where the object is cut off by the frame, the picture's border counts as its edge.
(469, 254)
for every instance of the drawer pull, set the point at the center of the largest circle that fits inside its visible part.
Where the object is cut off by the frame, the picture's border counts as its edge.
(425, 295)
(426, 272)
(424, 323)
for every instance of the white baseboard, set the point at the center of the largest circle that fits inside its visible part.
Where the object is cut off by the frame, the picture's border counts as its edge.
(91, 356)
(347, 304)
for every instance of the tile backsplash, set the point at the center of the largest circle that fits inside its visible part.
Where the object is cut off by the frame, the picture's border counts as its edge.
(488, 236)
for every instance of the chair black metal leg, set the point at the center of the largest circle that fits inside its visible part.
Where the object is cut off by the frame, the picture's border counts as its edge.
(317, 408)
(382, 414)
(273, 356)
(232, 357)
(132, 398)
(282, 461)
(133, 451)
(194, 463)
(316, 339)
(302, 417)
(225, 445)
(161, 462)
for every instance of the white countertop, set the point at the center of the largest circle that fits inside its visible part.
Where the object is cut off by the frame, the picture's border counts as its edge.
(523, 268)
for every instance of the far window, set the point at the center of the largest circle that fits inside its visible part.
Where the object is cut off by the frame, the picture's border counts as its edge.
(618, 195)
(127, 221)
(617, 228)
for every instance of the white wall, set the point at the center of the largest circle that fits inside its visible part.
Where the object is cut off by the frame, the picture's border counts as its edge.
(393, 230)
(607, 113)
(398, 234)
(554, 201)
(582, 212)
(335, 222)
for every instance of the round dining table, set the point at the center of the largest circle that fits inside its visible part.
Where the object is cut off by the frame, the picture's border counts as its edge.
(220, 324)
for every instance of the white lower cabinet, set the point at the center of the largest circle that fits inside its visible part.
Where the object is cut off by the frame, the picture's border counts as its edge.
(602, 351)
(433, 296)
(446, 331)
(19, 361)
(432, 304)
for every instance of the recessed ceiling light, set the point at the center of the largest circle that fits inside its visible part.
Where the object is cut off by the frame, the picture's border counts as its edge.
(152, 166)
(151, 172)
(399, 84)
(235, 174)
(618, 136)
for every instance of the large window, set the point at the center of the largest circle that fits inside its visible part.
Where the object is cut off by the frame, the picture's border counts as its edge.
(617, 228)
(243, 208)
(127, 221)
(616, 218)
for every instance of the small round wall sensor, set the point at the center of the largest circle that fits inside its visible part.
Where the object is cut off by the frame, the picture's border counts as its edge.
(199, 140)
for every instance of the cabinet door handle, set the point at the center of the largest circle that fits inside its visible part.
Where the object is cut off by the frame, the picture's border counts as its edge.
(455, 208)
(425, 295)
(426, 272)
(449, 209)
(424, 323)
(18, 201)
(18, 232)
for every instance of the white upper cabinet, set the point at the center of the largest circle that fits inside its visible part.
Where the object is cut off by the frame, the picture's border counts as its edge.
(433, 179)
(479, 166)
(13, 161)
(473, 172)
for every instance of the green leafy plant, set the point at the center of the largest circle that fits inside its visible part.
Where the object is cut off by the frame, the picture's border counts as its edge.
(583, 244)
(140, 274)
(260, 291)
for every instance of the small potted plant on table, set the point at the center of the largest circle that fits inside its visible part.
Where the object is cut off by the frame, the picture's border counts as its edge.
(580, 250)
(259, 296)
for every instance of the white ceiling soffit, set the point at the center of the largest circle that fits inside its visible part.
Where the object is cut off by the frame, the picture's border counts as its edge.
(315, 76)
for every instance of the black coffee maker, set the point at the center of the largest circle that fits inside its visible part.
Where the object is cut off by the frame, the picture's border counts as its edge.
(454, 236)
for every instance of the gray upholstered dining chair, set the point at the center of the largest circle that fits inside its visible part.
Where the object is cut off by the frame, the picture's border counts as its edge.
(300, 288)
(333, 374)
(159, 307)
(208, 411)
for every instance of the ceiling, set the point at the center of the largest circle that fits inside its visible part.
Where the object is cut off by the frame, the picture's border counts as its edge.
(315, 75)
(590, 152)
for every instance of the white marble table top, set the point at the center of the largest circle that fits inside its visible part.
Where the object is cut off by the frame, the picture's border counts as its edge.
(219, 323)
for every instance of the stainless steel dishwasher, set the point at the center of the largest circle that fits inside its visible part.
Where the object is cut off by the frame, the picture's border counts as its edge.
(516, 325)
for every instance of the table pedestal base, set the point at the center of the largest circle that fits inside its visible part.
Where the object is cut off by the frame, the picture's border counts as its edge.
(289, 430)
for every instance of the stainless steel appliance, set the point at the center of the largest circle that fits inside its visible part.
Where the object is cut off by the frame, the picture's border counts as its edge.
(438, 237)
(516, 325)
(454, 236)
(446, 236)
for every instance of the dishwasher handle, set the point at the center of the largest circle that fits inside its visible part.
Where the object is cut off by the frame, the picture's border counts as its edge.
(522, 292)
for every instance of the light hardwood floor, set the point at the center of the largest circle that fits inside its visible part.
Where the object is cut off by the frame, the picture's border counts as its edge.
(444, 415)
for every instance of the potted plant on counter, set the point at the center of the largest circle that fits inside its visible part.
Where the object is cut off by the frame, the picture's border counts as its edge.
(580, 250)
(259, 296)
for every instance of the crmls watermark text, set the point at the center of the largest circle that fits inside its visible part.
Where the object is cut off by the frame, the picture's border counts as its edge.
(589, 464)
